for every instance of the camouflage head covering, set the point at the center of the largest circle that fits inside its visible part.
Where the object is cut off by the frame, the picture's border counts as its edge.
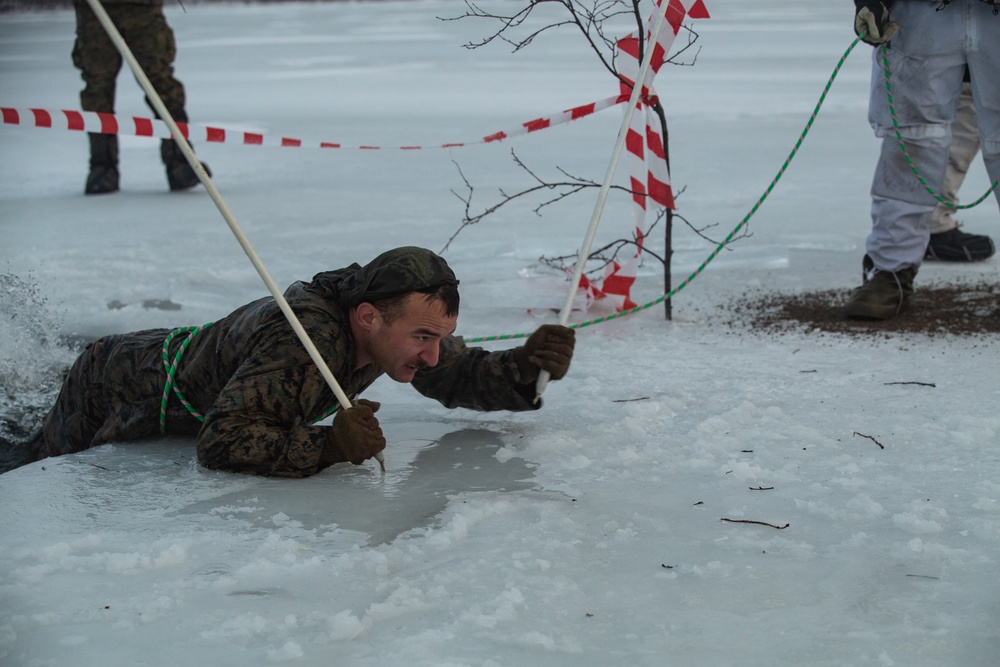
(393, 273)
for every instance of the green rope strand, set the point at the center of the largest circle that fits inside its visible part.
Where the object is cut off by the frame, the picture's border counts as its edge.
(906, 152)
(326, 414)
(170, 367)
(729, 237)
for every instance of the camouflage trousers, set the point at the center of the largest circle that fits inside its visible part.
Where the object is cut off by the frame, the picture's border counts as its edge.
(112, 393)
(145, 30)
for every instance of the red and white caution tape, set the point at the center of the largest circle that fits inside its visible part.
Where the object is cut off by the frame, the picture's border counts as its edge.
(649, 178)
(106, 123)
(646, 157)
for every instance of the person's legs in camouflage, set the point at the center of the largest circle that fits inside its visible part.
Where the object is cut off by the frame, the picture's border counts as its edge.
(78, 413)
(99, 62)
(152, 42)
(111, 393)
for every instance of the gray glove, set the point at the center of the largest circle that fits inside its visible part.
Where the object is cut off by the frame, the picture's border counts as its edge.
(872, 23)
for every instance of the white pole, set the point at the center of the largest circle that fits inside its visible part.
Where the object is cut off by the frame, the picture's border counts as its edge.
(544, 376)
(188, 152)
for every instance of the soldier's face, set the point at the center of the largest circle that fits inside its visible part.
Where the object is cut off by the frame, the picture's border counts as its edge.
(412, 340)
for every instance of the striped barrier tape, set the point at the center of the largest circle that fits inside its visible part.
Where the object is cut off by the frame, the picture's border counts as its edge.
(106, 123)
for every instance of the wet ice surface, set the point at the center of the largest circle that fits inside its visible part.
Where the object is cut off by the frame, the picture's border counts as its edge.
(164, 541)
(462, 550)
(373, 507)
(158, 487)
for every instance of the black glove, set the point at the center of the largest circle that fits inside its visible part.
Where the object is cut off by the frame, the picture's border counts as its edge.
(550, 349)
(872, 22)
(355, 435)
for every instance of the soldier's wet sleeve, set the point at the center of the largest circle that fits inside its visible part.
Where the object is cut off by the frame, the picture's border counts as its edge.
(261, 422)
(474, 378)
(259, 426)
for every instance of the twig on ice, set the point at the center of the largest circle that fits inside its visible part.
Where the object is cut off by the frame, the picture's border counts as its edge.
(880, 445)
(759, 523)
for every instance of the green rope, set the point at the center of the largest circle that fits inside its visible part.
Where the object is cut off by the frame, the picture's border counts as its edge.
(326, 414)
(170, 367)
(728, 238)
(906, 153)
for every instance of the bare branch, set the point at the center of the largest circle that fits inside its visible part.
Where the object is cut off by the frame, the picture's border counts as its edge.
(561, 190)
(592, 19)
(676, 57)
(758, 523)
(588, 20)
(862, 435)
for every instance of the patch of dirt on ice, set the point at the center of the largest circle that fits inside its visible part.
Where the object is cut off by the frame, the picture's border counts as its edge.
(971, 310)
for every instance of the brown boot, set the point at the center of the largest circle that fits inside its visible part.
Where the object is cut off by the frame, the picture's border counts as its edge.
(882, 295)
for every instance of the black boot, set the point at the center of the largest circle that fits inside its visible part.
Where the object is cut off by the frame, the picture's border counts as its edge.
(103, 175)
(180, 174)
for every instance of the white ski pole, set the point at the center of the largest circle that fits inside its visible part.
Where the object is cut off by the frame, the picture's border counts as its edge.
(544, 376)
(188, 152)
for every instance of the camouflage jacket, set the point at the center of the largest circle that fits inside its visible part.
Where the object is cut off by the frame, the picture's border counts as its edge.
(261, 393)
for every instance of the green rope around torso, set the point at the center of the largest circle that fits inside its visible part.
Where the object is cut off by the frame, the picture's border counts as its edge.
(170, 366)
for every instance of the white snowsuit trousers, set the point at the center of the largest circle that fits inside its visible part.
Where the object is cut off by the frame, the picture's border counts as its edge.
(963, 150)
(927, 60)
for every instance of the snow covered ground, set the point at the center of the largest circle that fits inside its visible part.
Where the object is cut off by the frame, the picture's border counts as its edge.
(601, 530)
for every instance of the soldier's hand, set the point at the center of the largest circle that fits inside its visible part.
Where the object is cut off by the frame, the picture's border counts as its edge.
(357, 433)
(872, 23)
(550, 349)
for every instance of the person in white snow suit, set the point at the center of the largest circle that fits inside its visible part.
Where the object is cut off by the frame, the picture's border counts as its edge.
(949, 243)
(929, 45)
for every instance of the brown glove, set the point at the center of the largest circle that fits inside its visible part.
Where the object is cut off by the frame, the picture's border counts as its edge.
(550, 348)
(356, 433)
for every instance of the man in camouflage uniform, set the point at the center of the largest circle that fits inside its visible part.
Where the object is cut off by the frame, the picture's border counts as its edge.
(145, 30)
(261, 392)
